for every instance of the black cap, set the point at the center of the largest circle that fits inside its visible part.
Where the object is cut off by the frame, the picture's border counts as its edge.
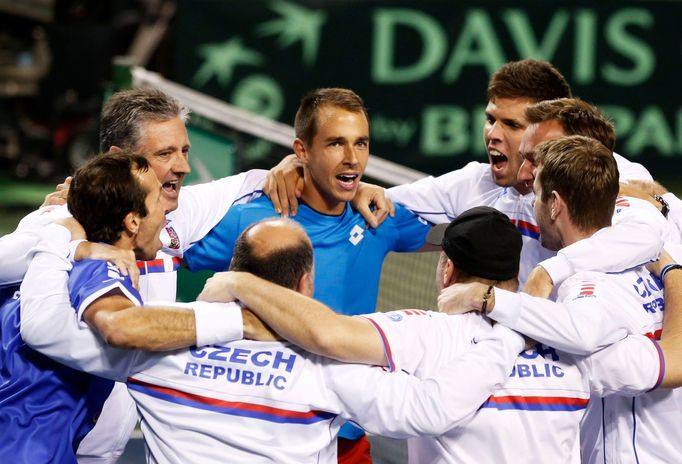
(482, 242)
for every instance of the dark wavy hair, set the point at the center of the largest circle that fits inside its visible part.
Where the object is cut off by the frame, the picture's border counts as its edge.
(104, 190)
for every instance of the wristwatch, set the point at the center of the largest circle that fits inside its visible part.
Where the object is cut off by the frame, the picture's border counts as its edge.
(665, 207)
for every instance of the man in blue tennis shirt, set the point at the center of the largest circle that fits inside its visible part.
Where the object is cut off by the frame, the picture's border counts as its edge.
(332, 144)
(47, 408)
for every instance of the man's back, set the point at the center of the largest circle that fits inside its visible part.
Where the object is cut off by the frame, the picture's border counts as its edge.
(621, 428)
(271, 402)
(533, 417)
(256, 399)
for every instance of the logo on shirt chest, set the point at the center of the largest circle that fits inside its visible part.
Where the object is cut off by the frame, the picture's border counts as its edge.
(356, 234)
(174, 242)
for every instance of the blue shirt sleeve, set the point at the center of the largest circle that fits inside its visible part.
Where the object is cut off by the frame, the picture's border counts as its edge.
(214, 251)
(411, 230)
(90, 277)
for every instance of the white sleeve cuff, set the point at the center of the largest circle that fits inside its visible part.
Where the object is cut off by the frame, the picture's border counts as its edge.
(558, 267)
(217, 322)
(507, 307)
(73, 245)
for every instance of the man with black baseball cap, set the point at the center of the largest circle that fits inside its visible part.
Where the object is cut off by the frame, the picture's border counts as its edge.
(481, 242)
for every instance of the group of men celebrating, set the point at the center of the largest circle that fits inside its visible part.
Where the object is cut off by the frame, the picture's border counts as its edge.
(86, 348)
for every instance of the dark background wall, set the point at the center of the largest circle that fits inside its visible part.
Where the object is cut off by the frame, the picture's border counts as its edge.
(422, 67)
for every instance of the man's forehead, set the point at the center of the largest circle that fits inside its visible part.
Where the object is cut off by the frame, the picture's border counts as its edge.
(547, 130)
(162, 132)
(537, 133)
(339, 123)
(148, 179)
(515, 105)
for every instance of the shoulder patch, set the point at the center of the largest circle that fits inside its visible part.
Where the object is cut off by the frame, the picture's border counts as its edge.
(414, 312)
(622, 202)
(587, 289)
(398, 315)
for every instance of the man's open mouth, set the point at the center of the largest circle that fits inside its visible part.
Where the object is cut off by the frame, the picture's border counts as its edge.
(347, 181)
(171, 186)
(497, 158)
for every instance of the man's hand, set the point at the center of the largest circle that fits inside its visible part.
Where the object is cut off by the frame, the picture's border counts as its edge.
(464, 298)
(539, 283)
(255, 328)
(58, 197)
(124, 260)
(655, 267)
(369, 195)
(217, 288)
(284, 184)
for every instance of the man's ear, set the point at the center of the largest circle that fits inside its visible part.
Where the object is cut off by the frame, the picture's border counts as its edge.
(131, 222)
(557, 206)
(449, 272)
(114, 149)
(300, 151)
(305, 284)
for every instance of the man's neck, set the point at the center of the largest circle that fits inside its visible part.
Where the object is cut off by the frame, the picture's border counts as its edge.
(572, 234)
(522, 188)
(125, 242)
(321, 203)
(511, 284)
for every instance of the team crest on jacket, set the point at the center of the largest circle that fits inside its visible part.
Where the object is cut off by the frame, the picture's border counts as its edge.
(174, 242)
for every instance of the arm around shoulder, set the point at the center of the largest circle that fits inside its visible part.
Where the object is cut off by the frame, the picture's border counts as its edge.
(402, 406)
(299, 319)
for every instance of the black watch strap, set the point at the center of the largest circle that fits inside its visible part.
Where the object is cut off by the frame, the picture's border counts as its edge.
(665, 207)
